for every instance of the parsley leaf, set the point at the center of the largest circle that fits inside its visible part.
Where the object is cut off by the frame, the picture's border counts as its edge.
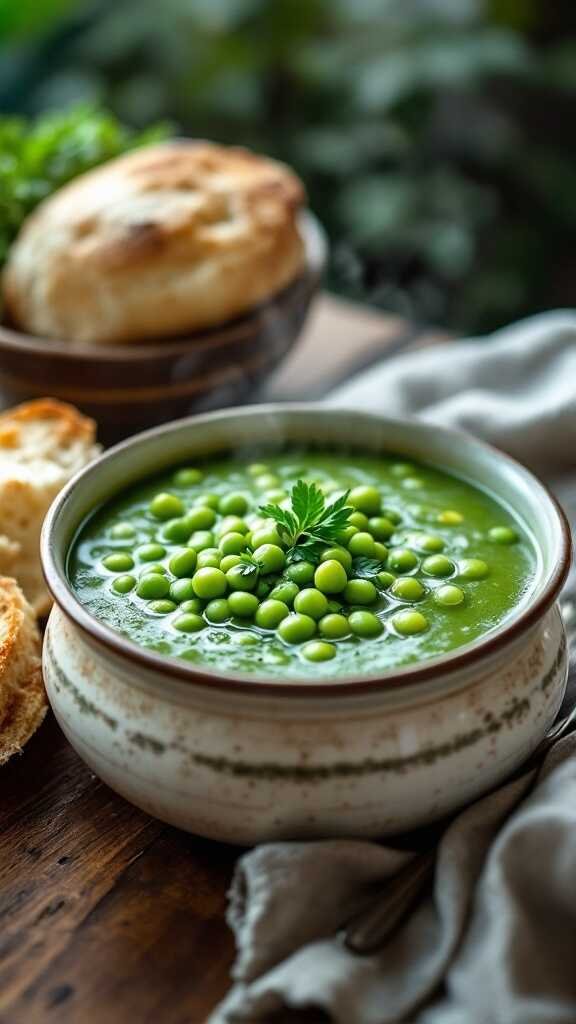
(309, 524)
(367, 568)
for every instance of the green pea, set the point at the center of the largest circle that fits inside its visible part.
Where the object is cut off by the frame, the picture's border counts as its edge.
(334, 626)
(201, 539)
(409, 623)
(257, 469)
(161, 607)
(360, 592)
(359, 520)
(266, 481)
(472, 569)
(118, 562)
(231, 524)
(242, 604)
(502, 535)
(181, 590)
(194, 606)
(311, 602)
(265, 535)
(362, 544)
(208, 558)
(234, 504)
(437, 565)
(385, 580)
(177, 531)
(246, 639)
(412, 483)
(448, 595)
(402, 560)
(189, 623)
(318, 650)
(228, 561)
(152, 567)
(188, 476)
(217, 610)
(380, 550)
(346, 533)
(392, 514)
(330, 577)
(201, 518)
(428, 542)
(407, 588)
(449, 517)
(338, 554)
(301, 573)
(401, 469)
(242, 577)
(183, 563)
(270, 558)
(271, 613)
(381, 527)
(276, 496)
(366, 499)
(209, 583)
(150, 552)
(296, 628)
(152, 586)
(286, 592)
(122, 531)
(365, 624)
(209, 500)
(123, 584)
(232, 543)
(166, 506)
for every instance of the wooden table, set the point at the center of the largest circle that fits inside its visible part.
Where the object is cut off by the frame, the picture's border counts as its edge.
(106, 915)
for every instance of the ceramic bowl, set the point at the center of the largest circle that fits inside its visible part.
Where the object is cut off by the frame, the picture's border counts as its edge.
(242, 759)
(129, 387)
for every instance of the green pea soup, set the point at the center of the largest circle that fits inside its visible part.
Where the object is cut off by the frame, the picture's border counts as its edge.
(424, 563)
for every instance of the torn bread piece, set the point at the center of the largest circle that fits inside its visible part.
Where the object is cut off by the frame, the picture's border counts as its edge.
(22, 697)
(43, 443)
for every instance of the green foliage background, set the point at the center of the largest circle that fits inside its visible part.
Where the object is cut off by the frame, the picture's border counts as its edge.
(435, 136)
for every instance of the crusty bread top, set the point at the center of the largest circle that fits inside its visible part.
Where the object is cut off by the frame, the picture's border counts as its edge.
(170, 238)
(22, 698)
(44, 439)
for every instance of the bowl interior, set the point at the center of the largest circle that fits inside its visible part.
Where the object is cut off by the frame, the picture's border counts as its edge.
(251, 429)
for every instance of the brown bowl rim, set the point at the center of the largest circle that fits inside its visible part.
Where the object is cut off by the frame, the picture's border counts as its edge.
(316, 249)
(66, 600)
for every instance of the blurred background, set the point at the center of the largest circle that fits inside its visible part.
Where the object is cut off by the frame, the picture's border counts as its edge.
(435, 136)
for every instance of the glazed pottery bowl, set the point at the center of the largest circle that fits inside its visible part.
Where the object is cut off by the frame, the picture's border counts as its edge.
(246, 759)
(130, 387)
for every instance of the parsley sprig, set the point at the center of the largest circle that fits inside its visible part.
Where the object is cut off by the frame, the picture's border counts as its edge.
(309, 524)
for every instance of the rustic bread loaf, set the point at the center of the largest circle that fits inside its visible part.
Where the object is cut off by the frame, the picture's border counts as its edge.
(42, 444)
(22, 697)
(168, 239)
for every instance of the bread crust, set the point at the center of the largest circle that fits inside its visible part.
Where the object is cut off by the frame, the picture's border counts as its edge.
(168, 239)
(22, 697)
(42, 445)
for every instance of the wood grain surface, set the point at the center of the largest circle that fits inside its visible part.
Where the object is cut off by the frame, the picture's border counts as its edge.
(107, 916)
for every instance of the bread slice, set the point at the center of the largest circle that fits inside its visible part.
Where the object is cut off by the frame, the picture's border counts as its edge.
(42, 445)
(22, 698)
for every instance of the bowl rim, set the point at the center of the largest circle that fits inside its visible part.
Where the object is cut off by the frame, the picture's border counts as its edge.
(315, 257)
(447, 664)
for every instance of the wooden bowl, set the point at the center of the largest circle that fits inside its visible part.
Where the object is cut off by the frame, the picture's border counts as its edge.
(129, 387)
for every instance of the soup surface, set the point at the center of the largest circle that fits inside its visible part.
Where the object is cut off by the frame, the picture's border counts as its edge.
(303, 564)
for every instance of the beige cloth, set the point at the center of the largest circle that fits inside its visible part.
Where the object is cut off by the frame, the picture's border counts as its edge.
(495, 943)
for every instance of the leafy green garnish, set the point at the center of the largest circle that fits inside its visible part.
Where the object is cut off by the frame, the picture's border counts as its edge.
(310, 524)
(39, 156)
(367, 568)
(248, 564)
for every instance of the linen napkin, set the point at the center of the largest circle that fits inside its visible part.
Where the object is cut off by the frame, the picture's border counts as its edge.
(495, 941)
